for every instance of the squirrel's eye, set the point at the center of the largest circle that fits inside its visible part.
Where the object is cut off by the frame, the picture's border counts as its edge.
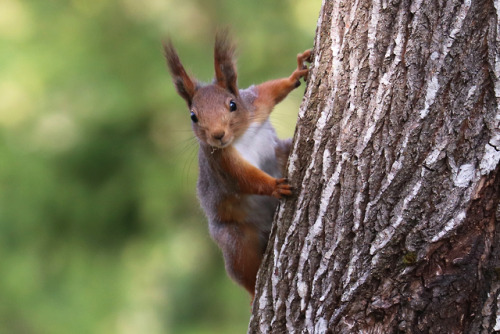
(193, 117)
(232, 106)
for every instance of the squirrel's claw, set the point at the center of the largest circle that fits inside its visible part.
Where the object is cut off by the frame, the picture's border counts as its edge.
(282, 188)
(302, 70)
(302, 58)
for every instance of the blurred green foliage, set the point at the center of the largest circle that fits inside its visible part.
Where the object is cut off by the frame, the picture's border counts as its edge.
(100, 228)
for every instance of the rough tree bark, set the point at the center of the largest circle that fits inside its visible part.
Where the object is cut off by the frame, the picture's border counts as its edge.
(394, 224)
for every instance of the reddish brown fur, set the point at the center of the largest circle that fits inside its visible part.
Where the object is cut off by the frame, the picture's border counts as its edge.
(225, 68)
(241, 241)
(242, 251)
(211, 105)
(249, 178)
(186, 87)
(231, 210)
(272, 92)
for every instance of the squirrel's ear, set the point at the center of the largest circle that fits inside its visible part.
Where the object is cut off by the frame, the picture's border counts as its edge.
(186, 87)
(225, 68)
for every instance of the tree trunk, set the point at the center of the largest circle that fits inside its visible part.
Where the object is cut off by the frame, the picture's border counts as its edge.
(394, 223)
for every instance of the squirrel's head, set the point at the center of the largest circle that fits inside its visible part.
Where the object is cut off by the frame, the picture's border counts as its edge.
(218, 114)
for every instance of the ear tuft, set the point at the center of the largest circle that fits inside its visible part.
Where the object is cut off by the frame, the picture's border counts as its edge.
(186, 87)
(225, 68)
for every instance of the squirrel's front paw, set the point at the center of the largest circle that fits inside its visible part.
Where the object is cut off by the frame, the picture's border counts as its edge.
(282, 188)
(305, 56)
(302, 70)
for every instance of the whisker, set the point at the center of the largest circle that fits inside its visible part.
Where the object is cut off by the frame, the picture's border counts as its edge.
(188, 163)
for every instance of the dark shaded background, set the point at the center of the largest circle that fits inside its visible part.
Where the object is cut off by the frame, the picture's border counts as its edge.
(100, 228)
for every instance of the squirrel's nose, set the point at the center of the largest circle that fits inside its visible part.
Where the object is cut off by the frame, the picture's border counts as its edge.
(218, 135)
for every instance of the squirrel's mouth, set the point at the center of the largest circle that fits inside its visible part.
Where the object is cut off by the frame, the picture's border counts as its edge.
(220, 143)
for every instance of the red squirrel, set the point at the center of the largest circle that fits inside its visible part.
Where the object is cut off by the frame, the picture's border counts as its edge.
(241, 160)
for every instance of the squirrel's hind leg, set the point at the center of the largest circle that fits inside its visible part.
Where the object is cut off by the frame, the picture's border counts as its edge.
(242, 250)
